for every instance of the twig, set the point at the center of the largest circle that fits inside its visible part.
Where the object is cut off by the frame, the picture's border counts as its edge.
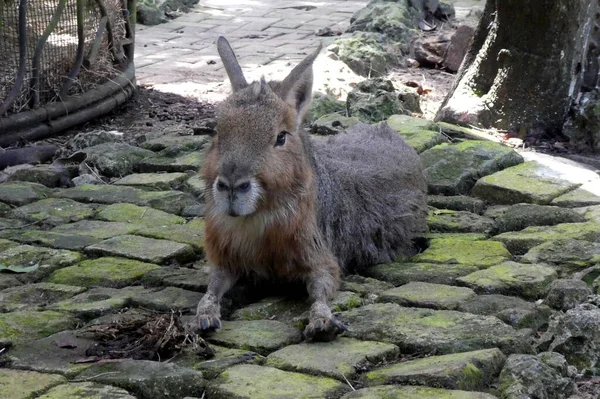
(348, 382)
(94, 173)
(25, 225)
(94, 376)
(143, 213)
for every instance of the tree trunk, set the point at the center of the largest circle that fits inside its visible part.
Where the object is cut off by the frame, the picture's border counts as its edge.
(524, 66)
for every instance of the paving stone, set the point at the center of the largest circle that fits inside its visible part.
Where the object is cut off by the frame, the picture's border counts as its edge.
(143, 248)
(291, 311)
(333, 123)
(35, 295)
(452, 169)
(417, 330)
(134, 214)
(98, 301)
(192, 161)
(190, 233)
(565, 294)
(98, 229)
(468, 371)
(18, 384)
(182, 277)
(423, 140)
(55, 239)
(223, 359)
(47, 175)
(53, 211)
(8, 281)
(168, 201)
(567, 255)
(338, 359)
(402, 273)
(115, 159)
(173, 143)
(590, 213)
(21, 193)
(86, 390)
(9, 225)
(427, 295)
(105, 271)
(28, 325)
(412, 392)
(57, 353)
(528, 182)
(47, 260)
(519, 216)
(457, 236)
(147, 379)
(576, 198)
(519, 242)
(410, 124)
(345, 300)
(512, 310)
(364, 285)
(511, 278)
(472, 253)
(448, 221)
(7, 244)
(4, 208)
(248, 381)
(167, 299)
(196, 186)
(261, 336)
(456, 203)
(153, 181)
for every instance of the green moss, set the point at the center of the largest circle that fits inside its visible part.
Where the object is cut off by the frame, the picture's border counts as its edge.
(473, 253)
(405, 124)
(448, 221)
(86, 390)
(456, 203)
(458, 236)
(20, 384)
(190, 233)
(412, 392)
(345, 300)
(402, 273)
(47, 260)
(261, 336)
(98, 229)
(182, 163)
(21, 193)
(421, 294)
(153, 181)
(138, 215)
(30, 325)
(576, 198)
(106, 271)
(567, 255)
(53, 211)
(143, 249)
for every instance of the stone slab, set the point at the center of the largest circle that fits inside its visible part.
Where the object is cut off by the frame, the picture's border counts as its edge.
(472, 253)
(19, 384)
(427, 295)
(153, 181)
(143, 249)
(53, 211)
(130, 213)
(402, 273)
(413, 392)
(98, 229)
(21, 193)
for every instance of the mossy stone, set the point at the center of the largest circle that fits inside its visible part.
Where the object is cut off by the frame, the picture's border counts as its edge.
(248, 381)
(511, 278)
(413, 392)
(6, 244)
(273, 308)
(565, 294)
(456, 203)
(8, 281)
(519, 242)
(520, 216)
(452, 169)
(473, 253)
(182, 277)
(54, 239)
(448, 221)
(567, 255)
(457, 236)
(190, 233)
(167, 299)
(405, 124)
(20, 384)
(191, 161)
(143, 249)
(260, 336)
(134, 214)
(196, 186)
(363, 53)
(364, 285)
(97, 229)
(417, 330)
(528, 182)
(105, 271)
(423, 140)
(332, 124)
(172, 142)
(147, 379)
(323, 104)
(47, 260)
(402, 273)
(4, 209)
(345, 300)
(469, 371)
(576, 198)
(115, 159)
(222, 359)
(168, 201)
(29, 325)
(53, 211)
(153, 181)
(427, 295)
(338, 359)
(34, 295)
(86, 390)
(22, 193)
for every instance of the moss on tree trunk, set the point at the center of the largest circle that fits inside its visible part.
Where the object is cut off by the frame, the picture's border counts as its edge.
(524, 66)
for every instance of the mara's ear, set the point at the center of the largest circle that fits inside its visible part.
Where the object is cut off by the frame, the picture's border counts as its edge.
(296, 88)
(230, 62)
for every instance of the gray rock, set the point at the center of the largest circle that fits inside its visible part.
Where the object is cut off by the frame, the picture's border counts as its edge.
(332, 124)
(447, 221)
(519, 216)
(565, 294)
(373, 100)
(87, 179)
(458, 47)
(323, 104)
(115, 159)
(412, 392)
(394, 19)
(584, 130)
(410, 99)
(427, 295)
(22, 193)
(529, 376)
(567, 255)
(167, 299)
(364, 53)
(86, 390)
(143, 248)
(456, 203)
(90, 139)
(402, 273)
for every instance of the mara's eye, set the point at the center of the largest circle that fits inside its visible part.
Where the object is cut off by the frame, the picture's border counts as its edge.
(281, 139)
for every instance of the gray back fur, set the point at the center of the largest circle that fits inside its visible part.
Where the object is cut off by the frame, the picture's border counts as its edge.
(372, 195)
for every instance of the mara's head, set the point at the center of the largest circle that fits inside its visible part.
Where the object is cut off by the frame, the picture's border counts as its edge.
(258, 156)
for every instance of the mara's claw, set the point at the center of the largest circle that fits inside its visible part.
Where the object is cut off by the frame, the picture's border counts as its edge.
(323, 329)
(204, 323)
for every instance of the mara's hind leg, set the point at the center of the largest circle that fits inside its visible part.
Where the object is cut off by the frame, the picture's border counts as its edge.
(321, 285)
(208, 312)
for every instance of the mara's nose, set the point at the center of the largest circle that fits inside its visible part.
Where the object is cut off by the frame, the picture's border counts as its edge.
(242, 186)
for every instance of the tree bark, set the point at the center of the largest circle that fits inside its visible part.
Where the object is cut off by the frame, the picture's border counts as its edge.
(524, 67)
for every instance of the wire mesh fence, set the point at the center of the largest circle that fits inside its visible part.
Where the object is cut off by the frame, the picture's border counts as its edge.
(53, 49)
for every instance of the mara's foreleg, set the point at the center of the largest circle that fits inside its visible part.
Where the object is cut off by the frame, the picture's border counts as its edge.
(208, 312)
(322, 283)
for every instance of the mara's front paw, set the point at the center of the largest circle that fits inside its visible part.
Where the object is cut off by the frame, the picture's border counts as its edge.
(323, 329)
(202, 323)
